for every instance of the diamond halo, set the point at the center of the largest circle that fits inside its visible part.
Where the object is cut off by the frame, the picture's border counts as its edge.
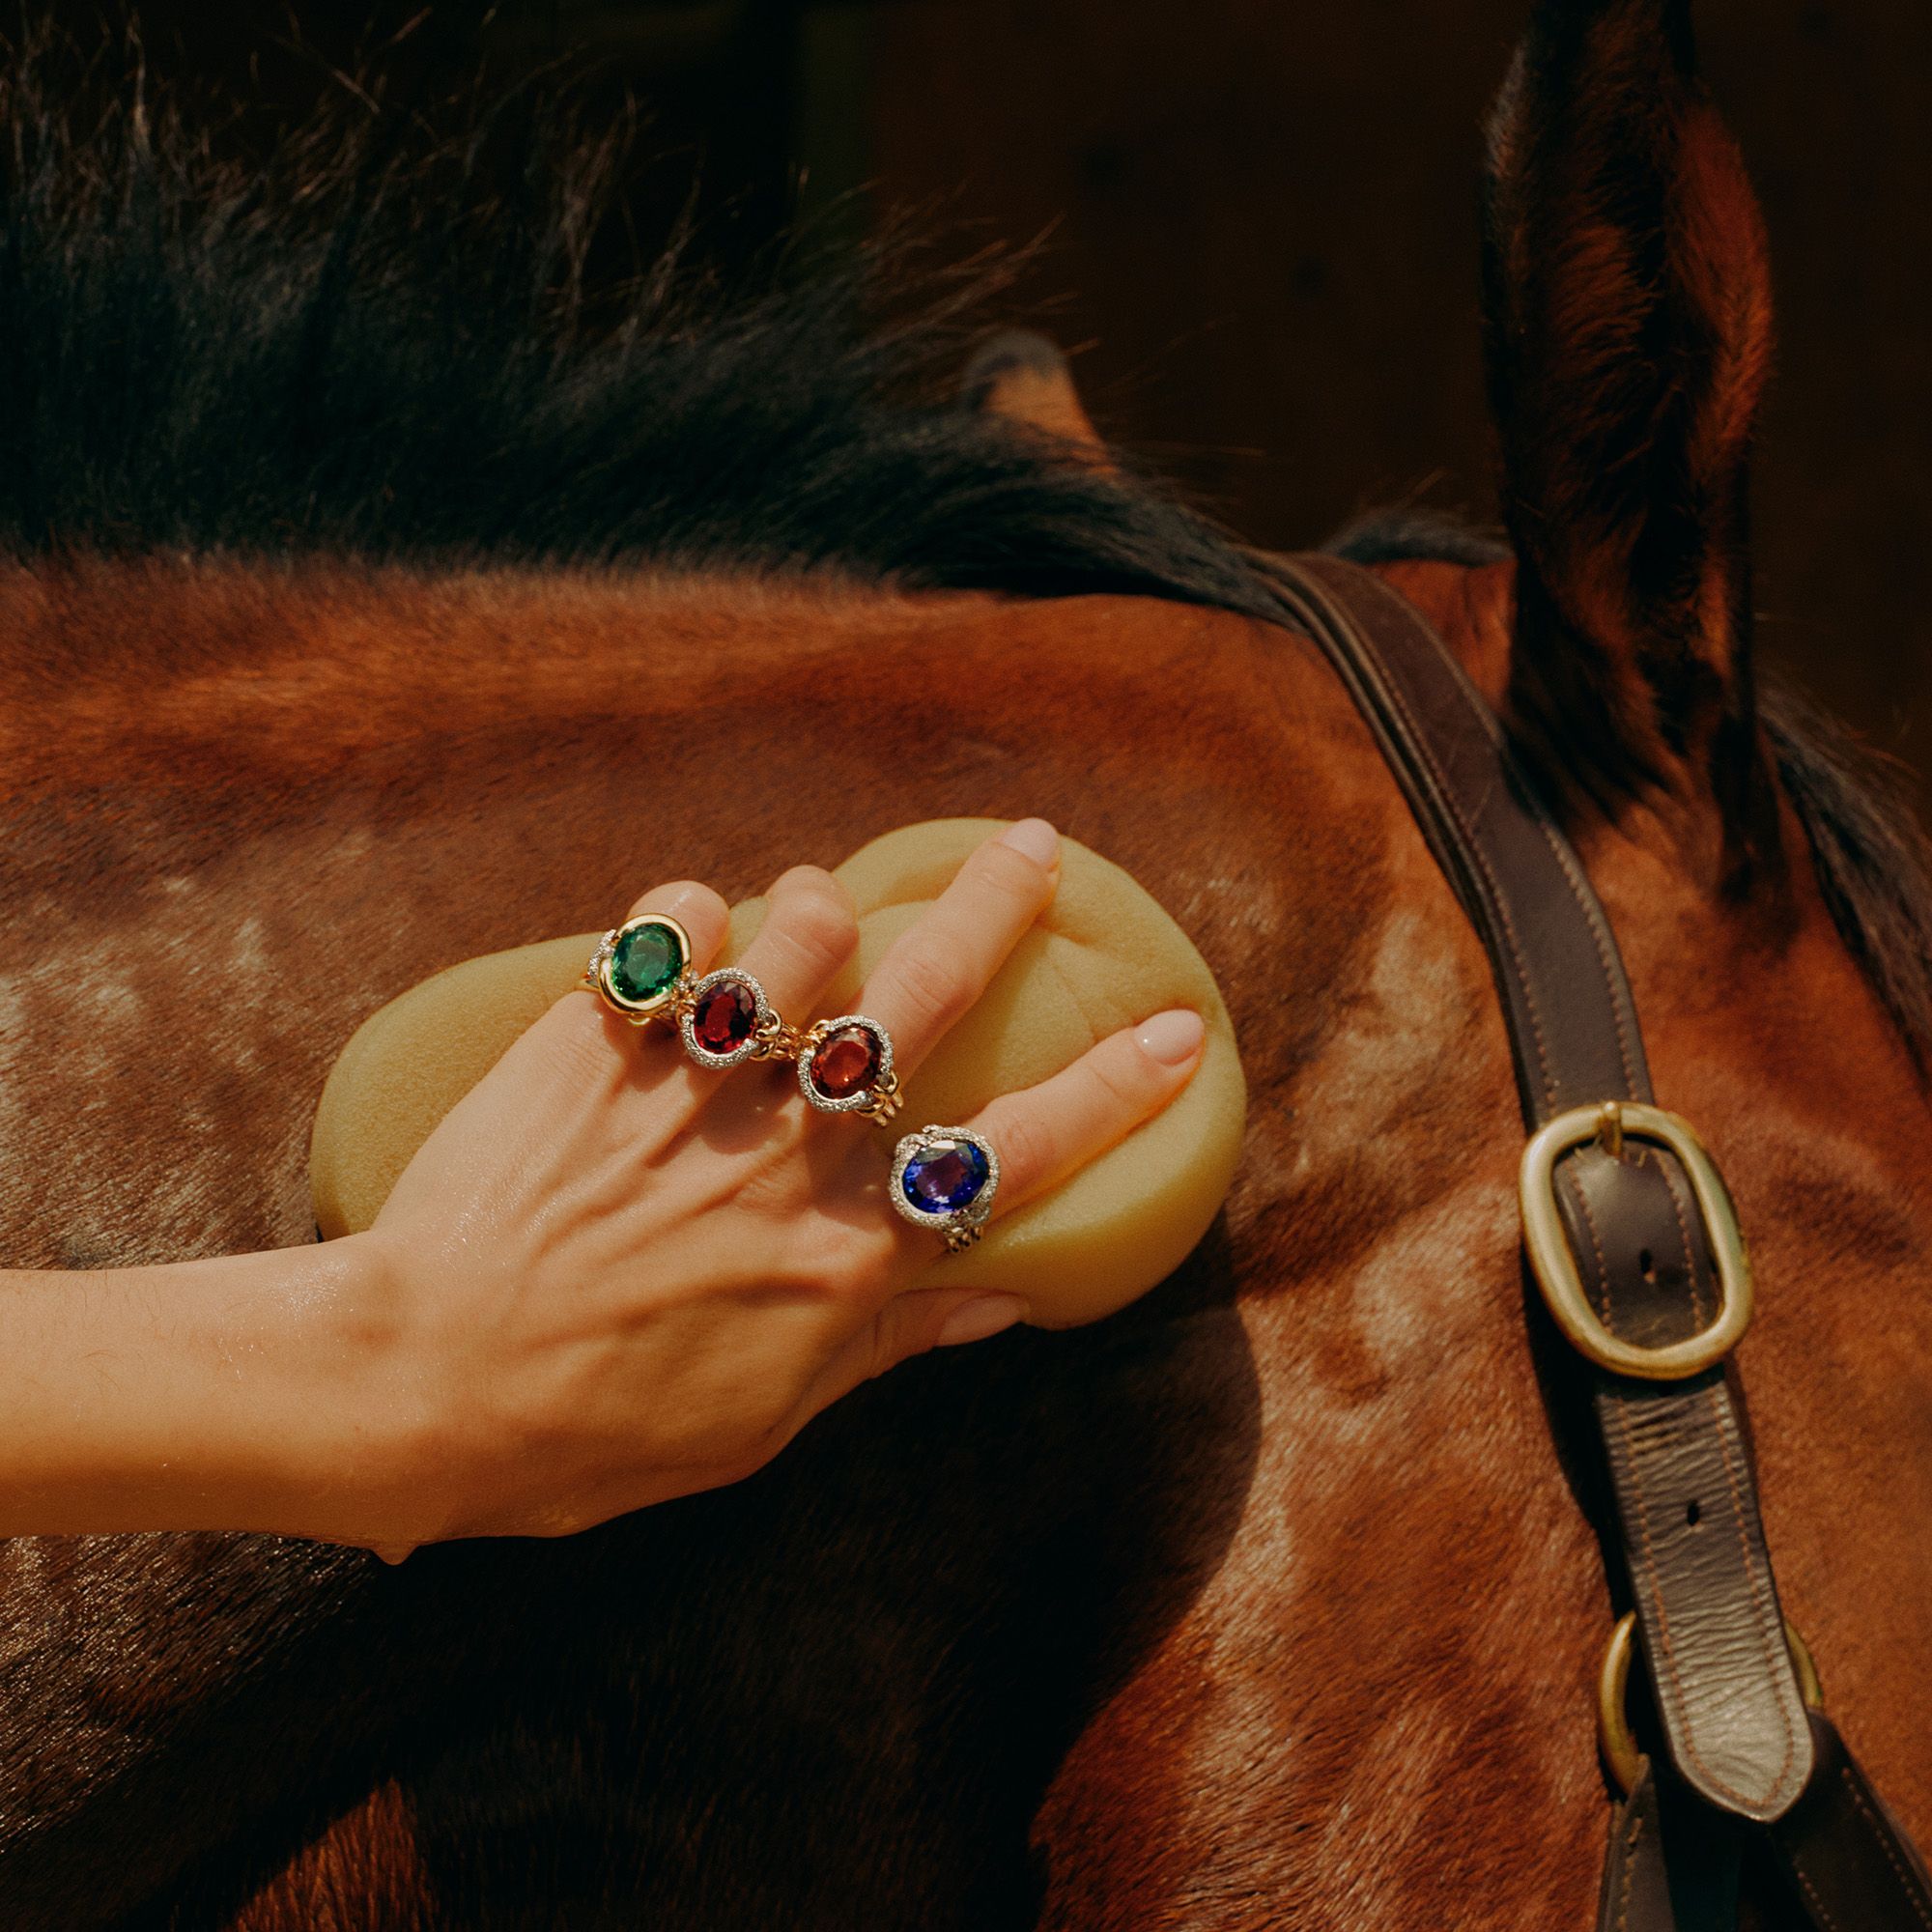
(961, 1225)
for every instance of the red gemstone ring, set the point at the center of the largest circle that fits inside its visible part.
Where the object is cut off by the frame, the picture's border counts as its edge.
(845, 1066)
(726, 1019)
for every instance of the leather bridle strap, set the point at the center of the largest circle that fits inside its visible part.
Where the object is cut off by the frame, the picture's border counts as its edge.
(1637, 1217)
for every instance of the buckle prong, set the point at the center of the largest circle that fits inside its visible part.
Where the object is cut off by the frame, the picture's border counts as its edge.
(1555, 1266)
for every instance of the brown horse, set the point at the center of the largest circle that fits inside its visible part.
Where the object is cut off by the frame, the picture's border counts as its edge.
(357, 623)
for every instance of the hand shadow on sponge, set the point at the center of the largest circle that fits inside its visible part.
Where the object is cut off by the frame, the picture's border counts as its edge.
(1104, 956)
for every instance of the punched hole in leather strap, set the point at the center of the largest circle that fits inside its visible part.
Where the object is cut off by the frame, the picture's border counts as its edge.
(1710, 1623)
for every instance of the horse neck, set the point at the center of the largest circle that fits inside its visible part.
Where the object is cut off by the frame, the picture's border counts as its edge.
(245, 807)
(251, 806)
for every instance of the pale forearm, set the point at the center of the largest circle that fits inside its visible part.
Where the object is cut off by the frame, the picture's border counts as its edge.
(608, 1278)
(244, 1392)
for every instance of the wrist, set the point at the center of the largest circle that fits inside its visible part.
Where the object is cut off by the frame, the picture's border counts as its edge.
(370, 1475)
(260, 1392)
(332, 1433)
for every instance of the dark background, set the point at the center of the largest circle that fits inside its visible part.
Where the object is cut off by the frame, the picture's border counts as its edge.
(1263, 240)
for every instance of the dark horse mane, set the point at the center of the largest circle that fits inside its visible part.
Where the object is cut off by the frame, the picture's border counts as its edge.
(371, 350)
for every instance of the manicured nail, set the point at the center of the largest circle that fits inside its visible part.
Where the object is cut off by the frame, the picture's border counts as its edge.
(1035, 840)
(1173, 1038)
(984, 1314)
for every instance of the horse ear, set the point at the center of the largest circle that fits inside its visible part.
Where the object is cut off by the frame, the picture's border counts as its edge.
(1628, 323)
(1021, 376)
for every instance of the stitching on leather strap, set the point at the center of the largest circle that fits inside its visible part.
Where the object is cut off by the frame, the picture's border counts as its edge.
(1768, 1623)
(1645, 1576)
(1630, 1837)
(1473, 847)
(1913, 1892)
(1810, 1891)
(1669, 1170)
(1322, 615)
(1647, 1582)
(1593, 919)
(1565, 863)
(1764, 1599)
(1645, 1571)
(1582, 1200)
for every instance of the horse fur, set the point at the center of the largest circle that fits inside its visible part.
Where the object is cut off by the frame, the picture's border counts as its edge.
(1270, 1603)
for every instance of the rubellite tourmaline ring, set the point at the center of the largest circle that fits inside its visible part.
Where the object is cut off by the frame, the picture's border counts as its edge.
(641, 969)
(945, 1179)
(726, 1019)
(845, 1066)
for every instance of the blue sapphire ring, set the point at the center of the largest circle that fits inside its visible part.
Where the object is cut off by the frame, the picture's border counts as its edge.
(945, 1179)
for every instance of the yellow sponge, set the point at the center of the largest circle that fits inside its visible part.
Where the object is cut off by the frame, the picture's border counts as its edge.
(1104, 956)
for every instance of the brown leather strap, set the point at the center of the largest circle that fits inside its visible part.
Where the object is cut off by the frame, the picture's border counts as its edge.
(1850, 1866)
(1706, 1608)
(1635, 1892)
(1853, 1868)
(1685, 1495)
(1668, 1869)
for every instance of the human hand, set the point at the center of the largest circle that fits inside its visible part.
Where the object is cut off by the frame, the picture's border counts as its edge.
(615, 1277)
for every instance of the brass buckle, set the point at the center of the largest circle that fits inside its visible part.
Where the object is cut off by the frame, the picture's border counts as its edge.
(1623, 1759)
(1555, 1267)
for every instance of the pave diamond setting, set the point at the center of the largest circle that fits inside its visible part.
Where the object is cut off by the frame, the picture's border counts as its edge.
(845, 1066)
(945, 1179)
(726, 1019)
(640, 968)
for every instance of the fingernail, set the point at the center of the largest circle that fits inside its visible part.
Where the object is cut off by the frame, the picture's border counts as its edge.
(984, 1314)
(1173, 1038)
(1035, 840)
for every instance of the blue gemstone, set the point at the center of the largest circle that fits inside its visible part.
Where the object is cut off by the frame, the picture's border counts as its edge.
(944, 1176)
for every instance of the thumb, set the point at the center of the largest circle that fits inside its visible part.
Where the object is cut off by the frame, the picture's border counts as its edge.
(909, 1324)
(941, 1318)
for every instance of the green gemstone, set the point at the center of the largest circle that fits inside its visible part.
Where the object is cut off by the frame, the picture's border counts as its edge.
(645, 963)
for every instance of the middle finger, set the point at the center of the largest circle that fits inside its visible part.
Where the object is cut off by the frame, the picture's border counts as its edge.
(809, 931)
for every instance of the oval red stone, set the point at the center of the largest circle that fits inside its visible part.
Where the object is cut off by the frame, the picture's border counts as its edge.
(724, 1018)
(846, 1062)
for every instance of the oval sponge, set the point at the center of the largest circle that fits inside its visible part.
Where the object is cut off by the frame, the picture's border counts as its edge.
(1102, 955)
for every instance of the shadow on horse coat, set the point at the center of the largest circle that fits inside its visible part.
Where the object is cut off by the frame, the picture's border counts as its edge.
(356, 623)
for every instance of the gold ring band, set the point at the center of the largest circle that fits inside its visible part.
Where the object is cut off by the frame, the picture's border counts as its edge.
(845, 1066)
(945, 1179)
(641, 969)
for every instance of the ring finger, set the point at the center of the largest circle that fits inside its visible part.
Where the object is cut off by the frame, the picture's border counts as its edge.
(934, 971)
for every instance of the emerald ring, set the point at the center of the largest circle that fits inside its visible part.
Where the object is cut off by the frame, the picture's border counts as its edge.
(641, 969)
